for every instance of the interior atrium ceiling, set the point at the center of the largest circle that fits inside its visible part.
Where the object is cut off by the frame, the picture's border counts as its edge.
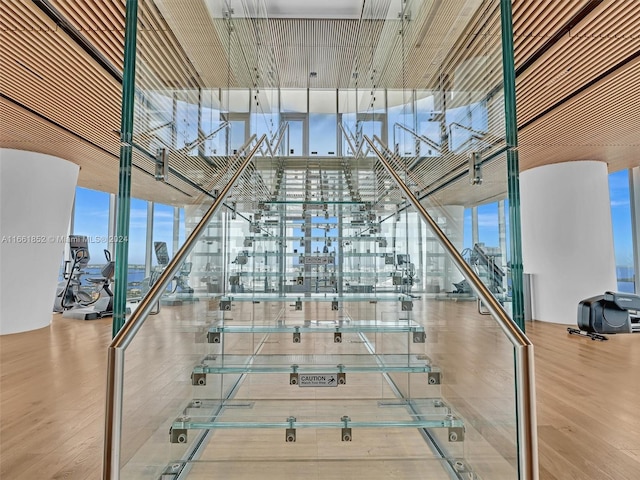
(577, 68)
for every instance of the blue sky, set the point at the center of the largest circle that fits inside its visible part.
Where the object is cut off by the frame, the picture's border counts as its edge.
(92, 217)
(621, 217)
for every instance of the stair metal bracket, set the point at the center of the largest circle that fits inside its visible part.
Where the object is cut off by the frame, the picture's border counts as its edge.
(162, 165)
(198, 379)
(178, 435)
(475, 168)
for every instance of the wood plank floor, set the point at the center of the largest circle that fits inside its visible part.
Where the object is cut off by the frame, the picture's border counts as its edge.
(52, 384)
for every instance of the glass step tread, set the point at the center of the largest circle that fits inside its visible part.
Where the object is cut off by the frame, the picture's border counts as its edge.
(330, 255)
(318, 297)
(315, 364)
(361, 326)
(416, 413)
(326, 276)
(316, 238)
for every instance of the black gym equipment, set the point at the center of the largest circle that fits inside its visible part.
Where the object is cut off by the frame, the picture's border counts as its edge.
(182, 278)
(71, 298)
(608, 314)
(182, 291)
(70, 292)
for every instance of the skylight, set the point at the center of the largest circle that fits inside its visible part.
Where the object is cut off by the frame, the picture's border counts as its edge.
(307, 9)
(339, 9)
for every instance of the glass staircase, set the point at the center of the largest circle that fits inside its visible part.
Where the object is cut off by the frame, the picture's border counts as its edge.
(315, 340)
(316, 323)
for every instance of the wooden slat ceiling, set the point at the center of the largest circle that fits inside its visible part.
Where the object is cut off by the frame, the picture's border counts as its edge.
(576, 99)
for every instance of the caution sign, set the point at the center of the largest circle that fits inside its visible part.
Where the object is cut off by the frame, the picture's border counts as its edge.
(317, 260)
(318, 380)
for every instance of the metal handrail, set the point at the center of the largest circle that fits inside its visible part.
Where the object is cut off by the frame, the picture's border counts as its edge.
(348, 134)
(422, 138)
(280, 133)
(115, 368)
(489, 140)
(477, 134)
(524, 365)
(199, 141)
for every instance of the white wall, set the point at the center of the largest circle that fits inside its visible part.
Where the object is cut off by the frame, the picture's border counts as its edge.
(567, 237)
(36, 196)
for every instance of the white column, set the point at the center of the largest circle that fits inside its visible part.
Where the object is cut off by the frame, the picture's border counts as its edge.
(149, 250)
(455, 232)
(176, 229)
(634, 190)
(36, 199)
(567, 237)
(475, 235)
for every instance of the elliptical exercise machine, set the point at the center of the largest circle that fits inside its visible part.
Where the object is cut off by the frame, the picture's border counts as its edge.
(181, 292)
(74, 301)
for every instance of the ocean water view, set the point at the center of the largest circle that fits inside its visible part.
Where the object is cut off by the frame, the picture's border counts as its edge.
(626, 277)
(135, 274)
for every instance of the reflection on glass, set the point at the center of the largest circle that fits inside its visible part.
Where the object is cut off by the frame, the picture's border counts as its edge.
(137, 247)
(322, 134)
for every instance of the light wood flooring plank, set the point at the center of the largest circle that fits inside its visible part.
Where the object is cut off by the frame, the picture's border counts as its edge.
(52, 384)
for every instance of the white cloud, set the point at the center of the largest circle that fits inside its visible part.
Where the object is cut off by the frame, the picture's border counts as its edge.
(619, 203)
(488, 220)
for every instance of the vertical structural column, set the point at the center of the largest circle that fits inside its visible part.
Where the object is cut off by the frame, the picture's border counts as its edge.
(36, 199)
(148, 249)
(176, 229)
(513, 163)
(634, 191)
(525, 392)
(568, 237)
(475, 235)
(124, 185)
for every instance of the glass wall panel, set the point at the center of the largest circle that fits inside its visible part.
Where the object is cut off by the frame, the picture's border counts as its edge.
(488, 224)
(622, 231)
(429, 124)
(295, 143)
(188, 128)
(156, 118)
(91, 218)
(181, 227)
(137, 247)
(236, 100)
(210, 122)
(86, 253)
(162, 231)
(293, 100)
(323, 134)
(400, 118)
(323, 129)
(265, 117)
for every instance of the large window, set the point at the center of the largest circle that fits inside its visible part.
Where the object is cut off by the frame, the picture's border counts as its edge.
(92, 219)
(323, 124)
(162, 229)
(137, 231)
(622, 235)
